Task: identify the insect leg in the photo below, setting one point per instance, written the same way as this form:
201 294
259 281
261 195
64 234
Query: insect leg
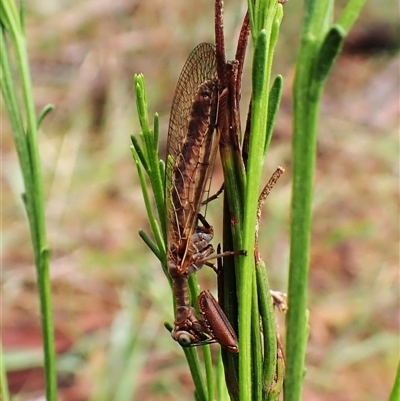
213 197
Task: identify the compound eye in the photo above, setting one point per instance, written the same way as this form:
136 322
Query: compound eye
206 95
184 340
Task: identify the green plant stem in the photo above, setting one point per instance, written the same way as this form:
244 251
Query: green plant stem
254 165
227 292
234 185
29 158
209 372
350 14
151 244
320 45
150 151
268 324
395 393
153 221
11 102
266 21
195 371
209 386
304 146
275 95
210 383
222 392
275 391
5 395
257 356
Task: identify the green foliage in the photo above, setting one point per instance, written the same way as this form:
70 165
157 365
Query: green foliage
24 126
5 395
265 19
320 45
395 394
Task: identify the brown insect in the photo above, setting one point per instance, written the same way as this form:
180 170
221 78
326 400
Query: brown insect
217 323
193 140
192 145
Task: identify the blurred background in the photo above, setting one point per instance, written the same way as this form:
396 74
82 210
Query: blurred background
110 295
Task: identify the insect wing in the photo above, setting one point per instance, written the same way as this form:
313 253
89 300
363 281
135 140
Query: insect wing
186 173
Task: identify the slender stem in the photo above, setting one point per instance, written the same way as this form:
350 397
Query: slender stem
264 301
227 292
29 157
320 46
193 360
304 146
268 324
222 391
150 150
267 18
395 393
350 14
209 386
209 372
153 222
254 165
306 109
276 389
257 357
152 246
5 395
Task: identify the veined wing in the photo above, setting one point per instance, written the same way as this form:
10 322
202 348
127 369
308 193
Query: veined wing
192 143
